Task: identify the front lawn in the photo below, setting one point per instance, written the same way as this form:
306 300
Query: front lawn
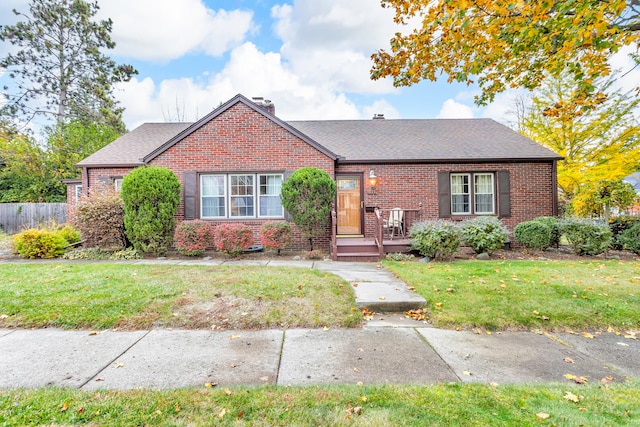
125 296
500 295
371 406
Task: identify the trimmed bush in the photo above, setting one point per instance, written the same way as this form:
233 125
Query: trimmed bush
276 235
44 243
533 234
315 254
307 196
484 234
435 239
193 237
554 224
233 238
630 239
586 237
151 195
618 226
100 219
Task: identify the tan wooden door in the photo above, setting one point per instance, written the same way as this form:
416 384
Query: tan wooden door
349 208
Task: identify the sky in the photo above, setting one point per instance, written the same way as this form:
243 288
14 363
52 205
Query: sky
311 58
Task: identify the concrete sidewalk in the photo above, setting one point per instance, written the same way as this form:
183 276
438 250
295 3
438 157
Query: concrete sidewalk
160 359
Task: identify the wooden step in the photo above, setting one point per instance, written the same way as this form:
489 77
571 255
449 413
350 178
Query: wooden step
358 256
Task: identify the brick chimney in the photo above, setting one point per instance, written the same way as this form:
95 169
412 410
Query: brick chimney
265 104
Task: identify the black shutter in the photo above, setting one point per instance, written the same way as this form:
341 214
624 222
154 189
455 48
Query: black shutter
190 193
444 195
504 194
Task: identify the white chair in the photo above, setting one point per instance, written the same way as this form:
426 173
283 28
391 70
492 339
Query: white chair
394 225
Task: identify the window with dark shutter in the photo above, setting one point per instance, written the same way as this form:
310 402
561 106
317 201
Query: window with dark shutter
504 194
444 195
190 192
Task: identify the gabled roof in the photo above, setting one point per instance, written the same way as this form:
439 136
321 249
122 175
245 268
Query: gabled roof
423 140
347 141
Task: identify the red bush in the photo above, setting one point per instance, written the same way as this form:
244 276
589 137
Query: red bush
276 235
233 238
193 237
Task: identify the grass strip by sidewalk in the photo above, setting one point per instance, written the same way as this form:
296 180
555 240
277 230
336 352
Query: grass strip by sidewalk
499 295
371 406
125 296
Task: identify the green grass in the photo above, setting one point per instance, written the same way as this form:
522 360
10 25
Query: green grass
502 295
433 405
125 296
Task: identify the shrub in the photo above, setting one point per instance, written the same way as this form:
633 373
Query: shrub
193 237
87 253
533 234
307 195
100 219
40 243
618 226
484 233
630 239
125 254
435 239
233 238
151 195
586 237
316 255
400 257
276 235
554 225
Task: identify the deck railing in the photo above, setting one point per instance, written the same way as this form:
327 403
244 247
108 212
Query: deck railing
384 216
379 233
334 233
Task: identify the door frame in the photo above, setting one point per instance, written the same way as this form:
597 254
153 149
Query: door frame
360 176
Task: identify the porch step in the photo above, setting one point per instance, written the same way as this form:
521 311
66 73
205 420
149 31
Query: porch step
358 256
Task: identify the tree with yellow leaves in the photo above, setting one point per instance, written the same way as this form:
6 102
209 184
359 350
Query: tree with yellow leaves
600 142
501 44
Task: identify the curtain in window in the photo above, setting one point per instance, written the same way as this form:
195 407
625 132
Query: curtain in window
269 199
213 196
460 194
484 193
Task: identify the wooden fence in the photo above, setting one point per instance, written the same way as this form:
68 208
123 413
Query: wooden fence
15 217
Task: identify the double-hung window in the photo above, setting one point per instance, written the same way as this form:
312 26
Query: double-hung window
472 193
246 195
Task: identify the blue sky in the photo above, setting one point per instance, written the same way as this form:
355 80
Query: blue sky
310 57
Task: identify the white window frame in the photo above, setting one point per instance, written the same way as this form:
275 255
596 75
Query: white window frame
467 193
233 197
78 194
223 196
229 197
476 193
117 184
260 195
472 192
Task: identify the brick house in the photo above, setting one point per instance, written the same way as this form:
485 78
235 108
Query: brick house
232 162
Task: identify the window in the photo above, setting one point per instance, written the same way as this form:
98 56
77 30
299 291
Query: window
269 200
212 189
78 192
240 196
468 199
117 184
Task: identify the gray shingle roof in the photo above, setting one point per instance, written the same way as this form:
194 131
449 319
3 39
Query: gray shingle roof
426 140
130 148
357 141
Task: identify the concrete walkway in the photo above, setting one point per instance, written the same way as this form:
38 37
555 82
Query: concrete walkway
389 349
160 359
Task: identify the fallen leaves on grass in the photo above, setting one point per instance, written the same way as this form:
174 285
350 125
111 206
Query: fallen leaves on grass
576 379
543 415
572 397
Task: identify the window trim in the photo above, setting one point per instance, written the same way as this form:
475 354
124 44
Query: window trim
228 197
472 193
116 180
231 197
78 192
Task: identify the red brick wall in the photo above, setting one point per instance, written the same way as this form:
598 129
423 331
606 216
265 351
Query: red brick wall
409 185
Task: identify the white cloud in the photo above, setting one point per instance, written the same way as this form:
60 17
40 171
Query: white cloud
162 30
333 41
454 110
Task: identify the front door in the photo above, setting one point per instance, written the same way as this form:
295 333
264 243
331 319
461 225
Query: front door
349 209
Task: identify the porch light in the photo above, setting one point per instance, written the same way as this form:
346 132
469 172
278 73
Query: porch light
372 181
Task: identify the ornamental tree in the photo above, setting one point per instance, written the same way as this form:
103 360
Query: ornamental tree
307 196
506 44
151 195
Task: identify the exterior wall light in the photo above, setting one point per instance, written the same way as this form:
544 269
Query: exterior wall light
372 182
